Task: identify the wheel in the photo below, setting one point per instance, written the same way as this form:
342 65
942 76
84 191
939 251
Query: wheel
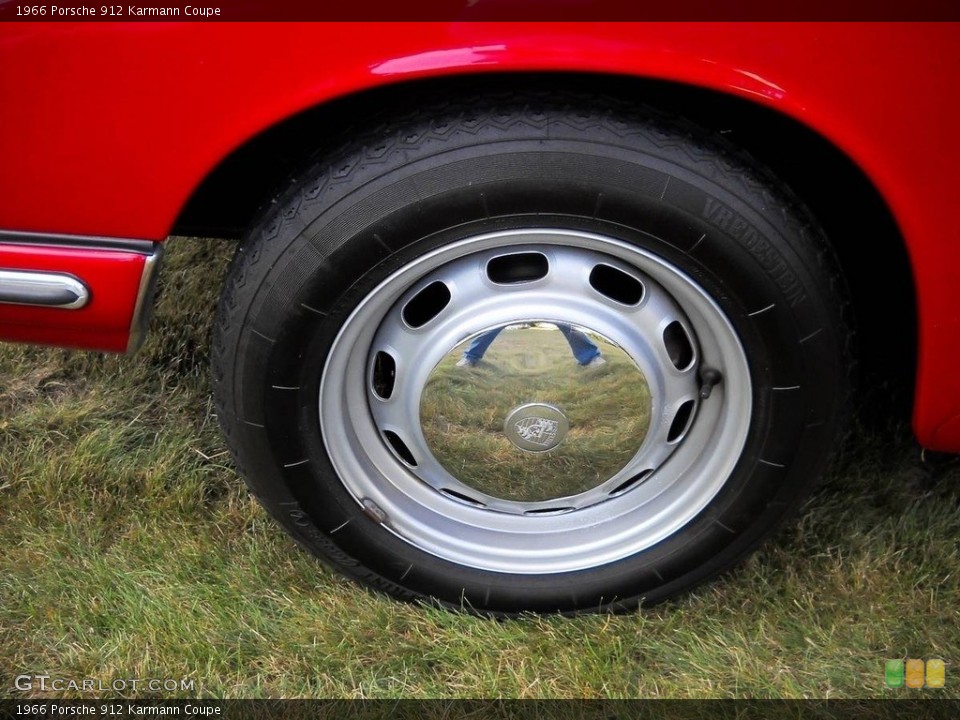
557 355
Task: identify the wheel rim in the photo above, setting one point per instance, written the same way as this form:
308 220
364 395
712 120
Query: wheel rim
552 497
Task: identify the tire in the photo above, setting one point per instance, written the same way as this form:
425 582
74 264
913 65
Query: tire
528 481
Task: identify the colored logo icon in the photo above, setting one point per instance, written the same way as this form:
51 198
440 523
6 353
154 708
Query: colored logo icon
912 673
894 673
936 675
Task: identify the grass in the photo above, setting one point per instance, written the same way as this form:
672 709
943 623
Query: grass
132 550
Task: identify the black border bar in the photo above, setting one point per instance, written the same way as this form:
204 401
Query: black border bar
477 10
906 709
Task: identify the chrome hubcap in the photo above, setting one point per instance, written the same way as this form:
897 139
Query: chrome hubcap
533 421
529 401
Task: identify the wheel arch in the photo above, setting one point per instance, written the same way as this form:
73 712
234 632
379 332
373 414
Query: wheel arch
233 193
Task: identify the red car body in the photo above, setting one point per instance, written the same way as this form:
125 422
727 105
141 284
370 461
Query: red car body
109 130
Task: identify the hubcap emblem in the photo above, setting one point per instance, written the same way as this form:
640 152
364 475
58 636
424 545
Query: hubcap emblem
536 427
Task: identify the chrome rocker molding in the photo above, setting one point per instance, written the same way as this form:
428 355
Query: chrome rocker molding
143 310
21 237
42 289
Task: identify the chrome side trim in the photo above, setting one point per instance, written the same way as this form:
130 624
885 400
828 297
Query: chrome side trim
143 310
145 247
42 289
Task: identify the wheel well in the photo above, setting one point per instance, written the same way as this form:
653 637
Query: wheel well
856 218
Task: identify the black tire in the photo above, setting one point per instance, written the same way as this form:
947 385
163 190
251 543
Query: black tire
589 166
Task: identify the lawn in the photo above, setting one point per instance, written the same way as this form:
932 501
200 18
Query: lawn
131 549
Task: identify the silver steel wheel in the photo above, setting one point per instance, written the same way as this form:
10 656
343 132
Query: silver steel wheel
685 400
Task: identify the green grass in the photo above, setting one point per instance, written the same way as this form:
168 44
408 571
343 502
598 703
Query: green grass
132 550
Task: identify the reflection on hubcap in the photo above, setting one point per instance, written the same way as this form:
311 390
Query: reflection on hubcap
517 413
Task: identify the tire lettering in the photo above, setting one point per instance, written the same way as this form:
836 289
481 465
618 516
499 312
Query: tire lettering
735 226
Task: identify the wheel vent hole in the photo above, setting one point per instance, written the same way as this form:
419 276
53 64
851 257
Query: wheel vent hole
616 285
426 304
384 375
461 497
400 448
549 511
630 484
678 345
681 421
518 268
